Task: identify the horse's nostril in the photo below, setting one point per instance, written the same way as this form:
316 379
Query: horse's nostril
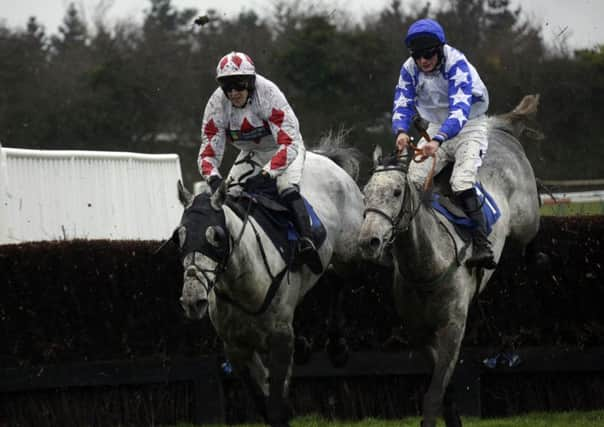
190 272
200 304
374 243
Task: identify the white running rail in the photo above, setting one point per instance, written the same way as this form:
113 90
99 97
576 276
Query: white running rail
64 195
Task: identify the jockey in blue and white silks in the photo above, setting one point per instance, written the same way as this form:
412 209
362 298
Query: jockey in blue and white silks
449 96
440 84
253 114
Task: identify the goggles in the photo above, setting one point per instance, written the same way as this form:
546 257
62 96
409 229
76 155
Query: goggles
230 84
425 53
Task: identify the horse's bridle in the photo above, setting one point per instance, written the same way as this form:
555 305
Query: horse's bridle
221 268
406 209
209 284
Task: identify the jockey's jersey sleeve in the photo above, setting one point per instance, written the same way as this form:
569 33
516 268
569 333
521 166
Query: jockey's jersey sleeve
266 123
449 96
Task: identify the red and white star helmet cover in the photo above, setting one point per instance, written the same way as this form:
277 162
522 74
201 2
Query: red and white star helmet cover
235 64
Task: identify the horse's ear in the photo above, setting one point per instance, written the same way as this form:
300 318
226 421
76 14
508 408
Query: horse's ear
405 159
172 239
219 196
377 156
184 195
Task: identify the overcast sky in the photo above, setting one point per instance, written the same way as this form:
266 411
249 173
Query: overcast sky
579 21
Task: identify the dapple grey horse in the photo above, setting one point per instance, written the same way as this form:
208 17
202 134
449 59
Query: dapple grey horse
432 286
244 282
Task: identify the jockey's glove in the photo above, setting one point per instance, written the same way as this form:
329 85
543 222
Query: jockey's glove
214 182
260 183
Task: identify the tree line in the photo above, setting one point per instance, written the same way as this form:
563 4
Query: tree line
142 86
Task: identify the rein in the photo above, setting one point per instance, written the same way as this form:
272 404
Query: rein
407 207
418 156
275 280
221 266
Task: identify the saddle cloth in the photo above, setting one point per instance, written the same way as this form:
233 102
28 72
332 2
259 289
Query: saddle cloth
457 216
275 219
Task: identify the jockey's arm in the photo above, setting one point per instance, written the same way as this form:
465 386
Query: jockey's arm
403 108
460 101
213 136
285 129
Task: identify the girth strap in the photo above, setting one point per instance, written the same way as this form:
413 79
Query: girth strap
275 280
272 291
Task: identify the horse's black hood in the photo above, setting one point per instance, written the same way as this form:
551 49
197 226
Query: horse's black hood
196 220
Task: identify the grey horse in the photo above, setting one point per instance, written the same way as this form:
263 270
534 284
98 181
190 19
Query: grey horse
239 275
433 288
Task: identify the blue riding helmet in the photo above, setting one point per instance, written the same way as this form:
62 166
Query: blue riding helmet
424 34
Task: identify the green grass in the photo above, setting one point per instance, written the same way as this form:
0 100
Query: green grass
573 209
555 419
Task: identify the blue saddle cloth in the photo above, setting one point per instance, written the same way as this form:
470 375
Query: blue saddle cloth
315 224
275 220
457 217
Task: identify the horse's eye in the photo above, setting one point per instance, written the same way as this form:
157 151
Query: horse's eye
215 236
397 192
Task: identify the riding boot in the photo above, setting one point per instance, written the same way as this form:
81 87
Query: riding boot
482 255
306 248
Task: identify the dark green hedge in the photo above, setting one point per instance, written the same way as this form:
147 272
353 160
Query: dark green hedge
93 300
100 300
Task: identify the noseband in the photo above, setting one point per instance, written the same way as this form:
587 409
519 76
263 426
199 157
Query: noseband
221 265
406 210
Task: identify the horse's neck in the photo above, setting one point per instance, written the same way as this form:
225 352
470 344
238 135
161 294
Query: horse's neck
246 276
243 245
424 243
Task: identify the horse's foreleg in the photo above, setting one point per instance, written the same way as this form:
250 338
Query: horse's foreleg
249 367
337 348
534 257
281 346
445 352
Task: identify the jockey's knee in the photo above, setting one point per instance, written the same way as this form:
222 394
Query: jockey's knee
459 190
459 184
288 191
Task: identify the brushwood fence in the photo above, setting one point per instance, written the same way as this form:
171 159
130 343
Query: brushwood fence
92 334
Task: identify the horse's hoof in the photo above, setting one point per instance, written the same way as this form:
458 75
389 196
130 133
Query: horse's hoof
451 417
281 417
542 260
338 352
302 351
488 263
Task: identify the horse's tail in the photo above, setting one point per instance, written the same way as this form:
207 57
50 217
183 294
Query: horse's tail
516 121
333 146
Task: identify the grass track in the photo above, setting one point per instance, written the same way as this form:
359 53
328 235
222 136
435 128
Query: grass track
554 419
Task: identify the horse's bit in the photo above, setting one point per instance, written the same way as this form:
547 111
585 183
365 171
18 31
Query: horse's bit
222 264
406 209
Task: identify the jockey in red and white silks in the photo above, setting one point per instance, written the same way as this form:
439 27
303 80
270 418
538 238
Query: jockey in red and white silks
253 114
264 128
444 87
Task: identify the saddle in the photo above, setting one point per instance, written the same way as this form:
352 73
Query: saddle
444 202
276 221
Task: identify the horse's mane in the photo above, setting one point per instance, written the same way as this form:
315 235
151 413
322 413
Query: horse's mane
333 146
516 121
391 160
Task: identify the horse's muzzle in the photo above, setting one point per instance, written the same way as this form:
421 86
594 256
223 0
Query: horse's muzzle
373 248
194 309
